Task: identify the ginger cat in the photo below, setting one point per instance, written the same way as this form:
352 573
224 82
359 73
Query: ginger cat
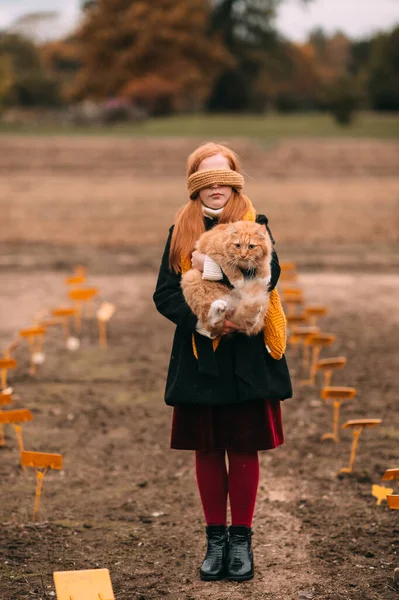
236 247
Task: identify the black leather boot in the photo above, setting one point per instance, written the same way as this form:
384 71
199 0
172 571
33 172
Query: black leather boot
214 566
240 561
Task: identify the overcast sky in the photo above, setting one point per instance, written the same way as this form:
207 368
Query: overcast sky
357 18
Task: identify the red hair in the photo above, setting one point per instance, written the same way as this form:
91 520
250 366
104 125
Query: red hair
189 223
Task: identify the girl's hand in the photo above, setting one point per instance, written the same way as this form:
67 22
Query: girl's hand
197 260
229 327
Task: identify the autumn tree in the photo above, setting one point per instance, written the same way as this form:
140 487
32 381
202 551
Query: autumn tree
299 86
158 53
62 60
340 92
6 78
246 28
333 54
383 72
29 85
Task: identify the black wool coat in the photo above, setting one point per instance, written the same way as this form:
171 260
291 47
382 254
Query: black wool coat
240 370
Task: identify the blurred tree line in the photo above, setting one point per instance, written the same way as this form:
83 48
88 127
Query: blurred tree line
215 55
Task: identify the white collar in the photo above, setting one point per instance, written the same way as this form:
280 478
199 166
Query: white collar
213 213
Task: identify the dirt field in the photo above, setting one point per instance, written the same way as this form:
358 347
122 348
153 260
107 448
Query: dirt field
124 500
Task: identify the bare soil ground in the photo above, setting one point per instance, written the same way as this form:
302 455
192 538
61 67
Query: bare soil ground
124 500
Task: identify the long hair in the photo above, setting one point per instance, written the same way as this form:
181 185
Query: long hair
189 223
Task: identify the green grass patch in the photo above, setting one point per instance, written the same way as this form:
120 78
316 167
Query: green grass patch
220 127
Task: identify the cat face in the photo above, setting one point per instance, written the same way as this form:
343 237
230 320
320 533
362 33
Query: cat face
247 244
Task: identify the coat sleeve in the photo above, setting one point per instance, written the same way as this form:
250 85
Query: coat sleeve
168 296
262 220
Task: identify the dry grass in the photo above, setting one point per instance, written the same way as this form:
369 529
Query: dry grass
330 203
106 211
164 157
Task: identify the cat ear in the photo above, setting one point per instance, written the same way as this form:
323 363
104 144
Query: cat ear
262 232
232 228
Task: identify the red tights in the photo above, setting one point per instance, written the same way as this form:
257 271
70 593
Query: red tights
240 484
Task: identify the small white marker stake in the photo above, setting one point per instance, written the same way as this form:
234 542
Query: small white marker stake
104 314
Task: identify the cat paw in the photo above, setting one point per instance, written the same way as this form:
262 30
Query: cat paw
217 312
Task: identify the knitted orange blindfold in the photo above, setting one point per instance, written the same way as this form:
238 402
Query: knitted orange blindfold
203 179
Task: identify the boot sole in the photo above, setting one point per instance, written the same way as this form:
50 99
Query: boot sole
212 577
240 578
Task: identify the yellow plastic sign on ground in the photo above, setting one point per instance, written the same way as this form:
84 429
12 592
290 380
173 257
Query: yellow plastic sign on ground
288 265
5 397
65 313
91 584
316 342
51 322
391 474
380 492
291 302
20 415
32 332
291 290
40 460
80 270
297 319
293 296
75 279
8 363
328 365
357 425
13 417
5 365
314 312
299 335
383 493
338 395
288 275
81 295
393 501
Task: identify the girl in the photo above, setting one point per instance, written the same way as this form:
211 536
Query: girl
226 398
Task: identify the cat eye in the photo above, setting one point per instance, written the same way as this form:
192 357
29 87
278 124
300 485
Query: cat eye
251 246
237 245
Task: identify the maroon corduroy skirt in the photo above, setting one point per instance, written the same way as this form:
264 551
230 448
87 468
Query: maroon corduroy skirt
245 427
